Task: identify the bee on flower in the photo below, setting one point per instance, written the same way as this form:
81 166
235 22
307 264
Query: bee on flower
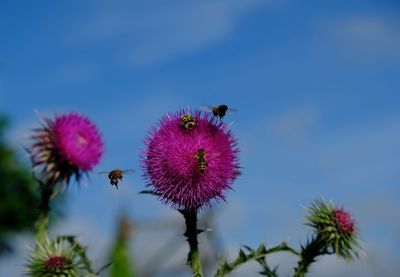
190 170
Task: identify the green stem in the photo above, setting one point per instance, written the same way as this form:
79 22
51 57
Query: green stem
191 235
282 247
309 253
254 255
44 208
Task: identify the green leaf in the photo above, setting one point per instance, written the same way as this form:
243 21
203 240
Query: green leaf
121 263
242 256
261 250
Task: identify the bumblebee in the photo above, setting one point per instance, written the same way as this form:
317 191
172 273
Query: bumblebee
218 111
116 175
201 160
187 121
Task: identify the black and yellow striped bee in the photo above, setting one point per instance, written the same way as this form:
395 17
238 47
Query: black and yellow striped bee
218 111
116 175
201 160
187 121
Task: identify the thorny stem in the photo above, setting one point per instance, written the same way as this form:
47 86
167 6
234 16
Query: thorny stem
313 249
267 271
254 255
81 251
191 234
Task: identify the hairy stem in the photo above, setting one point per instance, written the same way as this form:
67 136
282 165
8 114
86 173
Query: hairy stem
44 208
191 235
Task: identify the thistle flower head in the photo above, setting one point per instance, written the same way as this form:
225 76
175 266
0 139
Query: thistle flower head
335 228
344 221
189 168
55 258
66 146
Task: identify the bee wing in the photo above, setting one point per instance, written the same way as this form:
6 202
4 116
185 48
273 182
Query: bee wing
231 110
206 108
103 173
128 171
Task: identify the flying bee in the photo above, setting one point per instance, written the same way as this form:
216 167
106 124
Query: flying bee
116 175
201 160
187 121
218 111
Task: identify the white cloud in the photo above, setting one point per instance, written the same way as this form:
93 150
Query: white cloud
369 38
74 73
363 155
147 36
293 125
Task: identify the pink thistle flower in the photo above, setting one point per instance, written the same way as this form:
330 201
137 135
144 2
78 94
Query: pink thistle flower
78 140
190 167
66 146
344 220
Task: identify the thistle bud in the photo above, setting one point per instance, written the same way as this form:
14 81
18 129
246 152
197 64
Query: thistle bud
55 258
335 229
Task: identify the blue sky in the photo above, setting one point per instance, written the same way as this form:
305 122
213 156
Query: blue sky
316 86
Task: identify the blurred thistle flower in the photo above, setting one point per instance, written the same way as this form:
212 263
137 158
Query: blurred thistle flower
189 168
335 228
56 258
66 146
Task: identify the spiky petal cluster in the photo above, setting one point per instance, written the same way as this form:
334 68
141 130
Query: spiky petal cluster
334 228
66 146
344 221
56 258
175 169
